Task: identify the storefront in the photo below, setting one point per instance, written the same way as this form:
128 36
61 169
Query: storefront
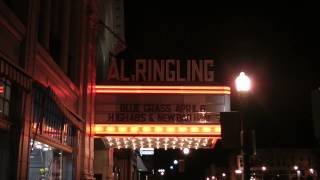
54 137
14 83
47 162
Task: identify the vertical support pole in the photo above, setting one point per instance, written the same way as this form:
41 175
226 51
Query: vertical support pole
243 136
45 23
89 71
64 56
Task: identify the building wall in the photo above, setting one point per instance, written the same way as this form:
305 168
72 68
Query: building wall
101 164
315 97
54 44
111 37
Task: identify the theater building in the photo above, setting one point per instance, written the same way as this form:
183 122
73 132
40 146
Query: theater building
153 104
47 75
56 122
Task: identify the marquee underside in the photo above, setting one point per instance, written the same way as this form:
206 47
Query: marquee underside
135 136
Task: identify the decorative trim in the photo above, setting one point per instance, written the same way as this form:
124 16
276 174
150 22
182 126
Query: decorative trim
129 89
11 22
15 74
56 71
5 125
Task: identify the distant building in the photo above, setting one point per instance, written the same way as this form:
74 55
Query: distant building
273 164
315 98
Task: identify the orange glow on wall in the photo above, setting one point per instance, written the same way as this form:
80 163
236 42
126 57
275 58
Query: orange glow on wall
194 129
170 129
146 129
98 129
182 129
158 129
206 129
105 89
109 129
134 129
122 129
217 129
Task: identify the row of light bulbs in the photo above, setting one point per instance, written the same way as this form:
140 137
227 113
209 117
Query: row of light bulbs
157 142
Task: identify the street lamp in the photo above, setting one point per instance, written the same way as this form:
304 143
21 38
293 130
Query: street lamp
243 83
263 168
243 86
186 151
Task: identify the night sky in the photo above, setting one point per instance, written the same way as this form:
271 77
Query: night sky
278 48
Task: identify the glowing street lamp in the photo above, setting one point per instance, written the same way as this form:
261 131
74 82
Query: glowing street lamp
238 171
186 151
243 85
311 171
224 175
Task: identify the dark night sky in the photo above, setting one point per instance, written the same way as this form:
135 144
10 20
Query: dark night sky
278 48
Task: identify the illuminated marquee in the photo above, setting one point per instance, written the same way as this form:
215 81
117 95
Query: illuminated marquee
150 115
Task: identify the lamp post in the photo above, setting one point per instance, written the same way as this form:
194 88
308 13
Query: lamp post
243 86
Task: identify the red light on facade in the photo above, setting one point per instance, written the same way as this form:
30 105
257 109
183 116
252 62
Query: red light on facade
223 90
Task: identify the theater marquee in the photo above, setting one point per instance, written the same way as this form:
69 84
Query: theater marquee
164 103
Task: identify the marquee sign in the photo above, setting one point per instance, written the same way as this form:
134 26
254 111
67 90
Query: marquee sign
160 103
164 70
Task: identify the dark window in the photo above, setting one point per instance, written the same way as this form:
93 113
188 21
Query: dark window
19 8
5 94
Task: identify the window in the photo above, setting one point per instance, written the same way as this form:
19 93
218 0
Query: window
19 8
49 120
5 94
47 162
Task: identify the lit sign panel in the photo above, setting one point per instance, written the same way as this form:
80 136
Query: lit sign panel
160 113
146 151
165 108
